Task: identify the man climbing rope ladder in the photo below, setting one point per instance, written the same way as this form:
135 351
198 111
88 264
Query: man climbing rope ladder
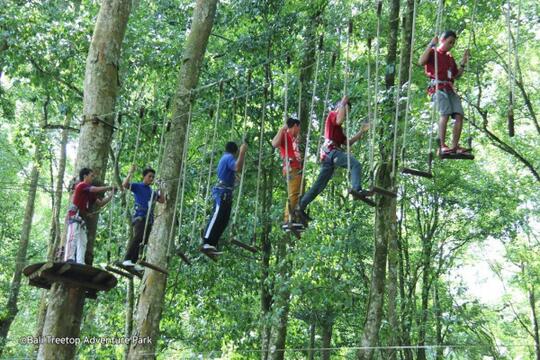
442 71
145 198
222 192
84 198
287 141
332 155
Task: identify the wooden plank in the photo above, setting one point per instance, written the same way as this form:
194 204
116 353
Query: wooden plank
183 257
244 246
64 268
38 271
76 283
129 269
152 266
456 156
99 277
409 171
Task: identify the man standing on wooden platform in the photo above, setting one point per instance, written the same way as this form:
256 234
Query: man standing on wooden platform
222 193
287 141
145 199
84 198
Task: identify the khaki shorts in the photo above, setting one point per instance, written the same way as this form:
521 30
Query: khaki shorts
448 103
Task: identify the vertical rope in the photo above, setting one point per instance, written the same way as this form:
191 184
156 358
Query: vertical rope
214 138
151 203
285 116
469 106
345 106
325 104
435 107
244 134
311 110
259 165
397 89
199 184
407 106
511 79
370 109
376 96
181 179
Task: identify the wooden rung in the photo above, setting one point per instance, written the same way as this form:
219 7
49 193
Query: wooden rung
384 192
119 272
153 267
183 257
368 201
129 269
244 246
409 171
456 156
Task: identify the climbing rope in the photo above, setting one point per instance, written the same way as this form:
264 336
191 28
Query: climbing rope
345 106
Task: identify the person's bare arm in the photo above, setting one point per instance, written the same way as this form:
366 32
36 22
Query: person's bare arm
276 141
464 62
424 58
161 196
359 134
127 180
105 200
341 114
241 157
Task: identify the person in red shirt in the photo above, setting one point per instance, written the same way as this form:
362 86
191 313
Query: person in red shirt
287 141
84 198
333 153
442 89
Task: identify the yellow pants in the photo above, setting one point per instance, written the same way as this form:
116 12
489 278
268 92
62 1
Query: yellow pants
295 182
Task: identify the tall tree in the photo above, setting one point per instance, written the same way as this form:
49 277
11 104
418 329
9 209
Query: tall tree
65 308
385 212
151 297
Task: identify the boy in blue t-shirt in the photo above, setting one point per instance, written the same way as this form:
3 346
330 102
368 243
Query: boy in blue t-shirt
144 200
222 194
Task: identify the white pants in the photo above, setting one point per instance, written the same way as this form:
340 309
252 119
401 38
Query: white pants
76 240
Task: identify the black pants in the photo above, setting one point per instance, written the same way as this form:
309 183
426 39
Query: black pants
138 241
219 219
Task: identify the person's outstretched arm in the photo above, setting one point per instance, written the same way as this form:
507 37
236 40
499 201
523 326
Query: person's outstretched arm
424 58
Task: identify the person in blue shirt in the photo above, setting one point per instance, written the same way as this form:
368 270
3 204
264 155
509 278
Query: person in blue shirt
145 197
222 193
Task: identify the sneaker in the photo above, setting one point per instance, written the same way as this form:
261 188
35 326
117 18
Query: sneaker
302 216
138 267
128 263
298 225
360 193
209 248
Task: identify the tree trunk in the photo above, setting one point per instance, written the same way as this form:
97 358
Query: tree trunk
326 340
385 213
55 222
65 309
152 293
11 309
532 304
311 351
129 314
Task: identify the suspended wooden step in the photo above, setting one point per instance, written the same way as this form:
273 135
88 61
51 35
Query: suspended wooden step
129 269
363 198
456 156
212 255
414 172
182 256
245 246
72 275
152 266
118 272
383 191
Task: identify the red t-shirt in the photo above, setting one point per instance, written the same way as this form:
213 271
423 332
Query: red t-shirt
447 69
83 199
295 158
333 134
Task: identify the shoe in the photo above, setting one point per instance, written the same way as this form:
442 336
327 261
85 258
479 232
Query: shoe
71 261
209 248
302 216
128 263
138 267
298 225
360 193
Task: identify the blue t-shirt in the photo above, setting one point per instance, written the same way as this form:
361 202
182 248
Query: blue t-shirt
227 169
142 193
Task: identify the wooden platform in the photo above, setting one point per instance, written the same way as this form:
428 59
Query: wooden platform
455 156
72 275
